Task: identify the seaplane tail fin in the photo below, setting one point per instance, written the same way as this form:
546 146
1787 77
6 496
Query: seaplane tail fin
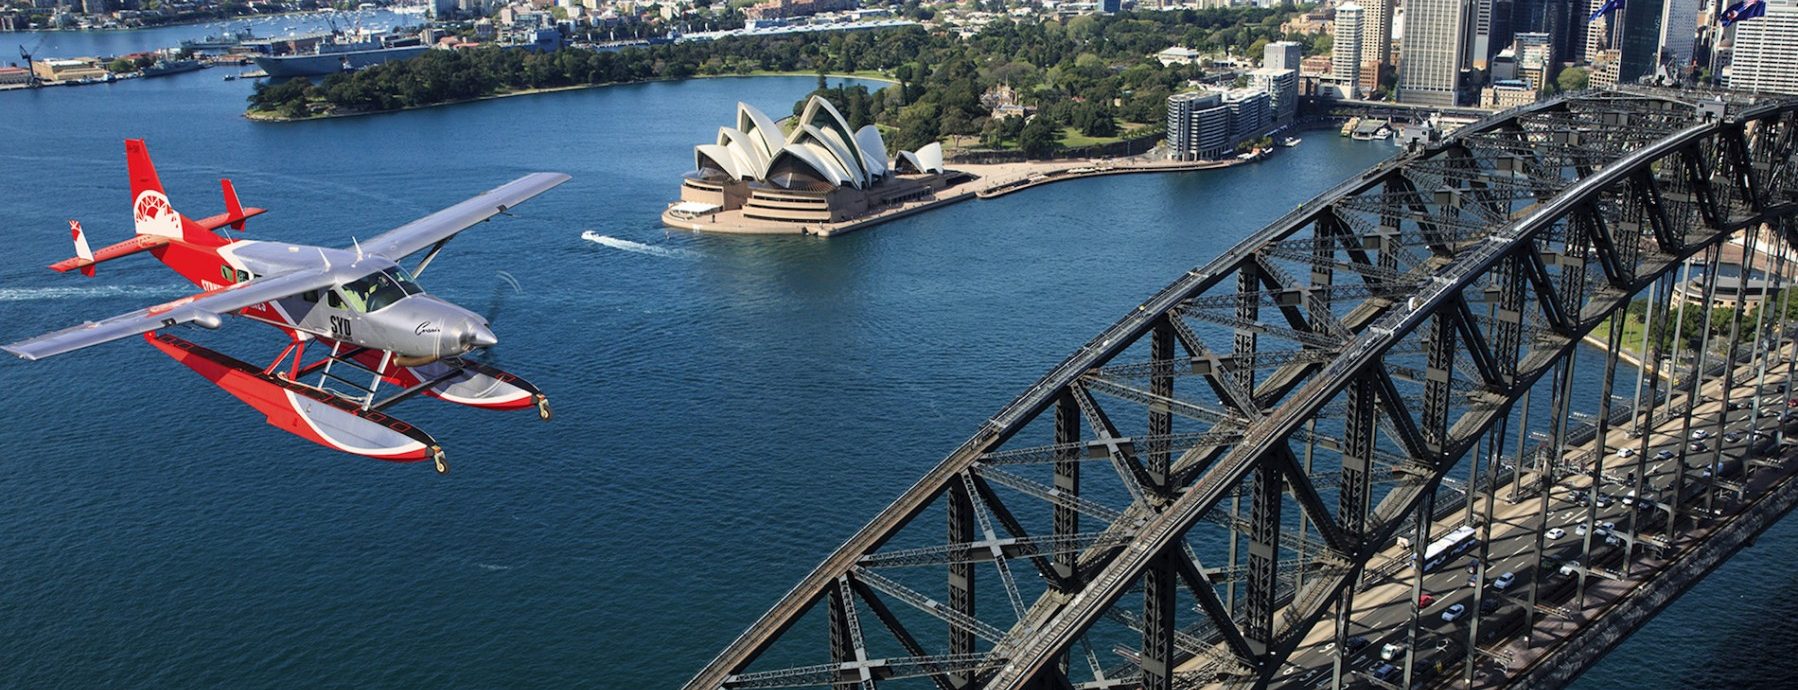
83 254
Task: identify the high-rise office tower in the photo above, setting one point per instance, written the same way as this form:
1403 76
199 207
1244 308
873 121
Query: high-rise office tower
1491 28
1601 33
1679 29
1437 46
1376 31
1640 43
1563 20
1282 55
1345 55
1766 54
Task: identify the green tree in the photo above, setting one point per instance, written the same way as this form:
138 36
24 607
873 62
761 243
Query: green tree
1037 139
1573 79
918 126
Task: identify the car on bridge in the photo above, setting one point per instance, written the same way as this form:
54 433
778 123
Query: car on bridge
1703 434
1556 533
1392 651
1504 580
1424 600
1454 613
1664 455
1386 673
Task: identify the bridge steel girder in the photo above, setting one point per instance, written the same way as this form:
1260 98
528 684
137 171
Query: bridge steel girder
1648 196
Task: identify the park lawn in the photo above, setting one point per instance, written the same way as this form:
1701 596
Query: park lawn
1633 329
1072 138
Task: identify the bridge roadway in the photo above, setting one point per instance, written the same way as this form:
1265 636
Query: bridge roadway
1382 611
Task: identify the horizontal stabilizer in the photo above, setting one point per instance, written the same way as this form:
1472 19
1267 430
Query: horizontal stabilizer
233 218
131 246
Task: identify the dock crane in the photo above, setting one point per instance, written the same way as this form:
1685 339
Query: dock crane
25 53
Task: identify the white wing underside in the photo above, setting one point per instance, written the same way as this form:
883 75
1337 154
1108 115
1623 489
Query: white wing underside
206 305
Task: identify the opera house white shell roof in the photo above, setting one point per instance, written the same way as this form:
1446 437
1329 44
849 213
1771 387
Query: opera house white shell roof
820 152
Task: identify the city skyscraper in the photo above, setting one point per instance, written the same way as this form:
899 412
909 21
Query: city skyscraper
1766 52
1563 20
1376 30
1601 33
1282 55
1492 28
1346 50
1436 47
1640 42
1679 28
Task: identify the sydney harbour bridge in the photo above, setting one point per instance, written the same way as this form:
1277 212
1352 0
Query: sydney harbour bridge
1366 446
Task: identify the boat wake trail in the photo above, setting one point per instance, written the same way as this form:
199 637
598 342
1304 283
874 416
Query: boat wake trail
638 247
27 294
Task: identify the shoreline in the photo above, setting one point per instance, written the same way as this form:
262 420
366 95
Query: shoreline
990 181
270 117
196 22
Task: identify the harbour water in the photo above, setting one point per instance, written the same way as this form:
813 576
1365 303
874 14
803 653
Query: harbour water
728 408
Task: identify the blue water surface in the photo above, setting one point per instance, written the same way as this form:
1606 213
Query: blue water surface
728 409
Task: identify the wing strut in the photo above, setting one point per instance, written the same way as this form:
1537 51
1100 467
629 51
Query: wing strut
422 263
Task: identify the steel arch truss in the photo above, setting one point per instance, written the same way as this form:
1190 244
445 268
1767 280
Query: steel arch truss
1188 494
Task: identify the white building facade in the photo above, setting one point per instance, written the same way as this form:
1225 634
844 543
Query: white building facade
1346 50
1766 50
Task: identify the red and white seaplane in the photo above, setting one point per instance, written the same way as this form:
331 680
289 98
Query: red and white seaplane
371 314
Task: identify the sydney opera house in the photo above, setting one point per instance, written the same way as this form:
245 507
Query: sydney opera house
759 178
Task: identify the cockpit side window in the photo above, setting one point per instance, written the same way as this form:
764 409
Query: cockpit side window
405 280
377 290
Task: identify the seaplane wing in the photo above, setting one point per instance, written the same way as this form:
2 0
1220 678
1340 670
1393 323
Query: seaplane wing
444 224
204 308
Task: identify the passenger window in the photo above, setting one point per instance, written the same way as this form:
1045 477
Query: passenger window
243 276
310 296
225 273
353 298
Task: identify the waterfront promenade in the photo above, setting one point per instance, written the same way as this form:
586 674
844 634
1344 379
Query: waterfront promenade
979 181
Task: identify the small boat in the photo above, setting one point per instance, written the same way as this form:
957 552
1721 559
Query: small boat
230 77
1290 142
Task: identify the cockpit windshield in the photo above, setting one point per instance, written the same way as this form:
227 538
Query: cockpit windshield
375 291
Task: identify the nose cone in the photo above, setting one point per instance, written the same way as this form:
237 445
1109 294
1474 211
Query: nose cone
479 335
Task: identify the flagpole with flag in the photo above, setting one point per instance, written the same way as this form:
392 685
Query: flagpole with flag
1608 6
1743 11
